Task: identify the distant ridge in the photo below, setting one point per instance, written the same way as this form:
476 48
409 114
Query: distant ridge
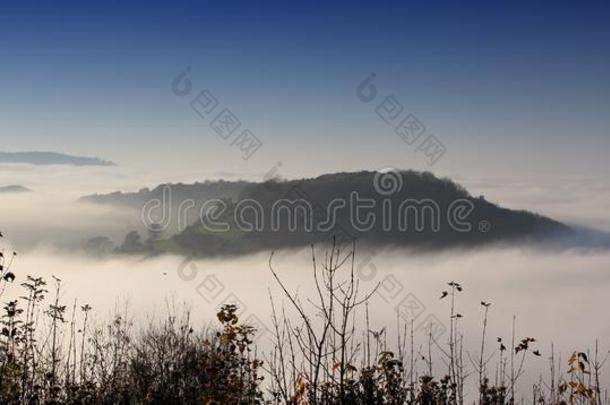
51 158
489 222
179 192
14 189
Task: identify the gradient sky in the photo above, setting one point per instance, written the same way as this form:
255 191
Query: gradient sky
502 84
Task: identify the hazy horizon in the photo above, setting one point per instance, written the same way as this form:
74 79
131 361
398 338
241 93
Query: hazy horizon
509 100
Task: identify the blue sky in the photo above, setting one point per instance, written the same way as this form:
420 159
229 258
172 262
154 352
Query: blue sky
95 78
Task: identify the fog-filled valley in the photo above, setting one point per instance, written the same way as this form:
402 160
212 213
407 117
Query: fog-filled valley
556 295
304 203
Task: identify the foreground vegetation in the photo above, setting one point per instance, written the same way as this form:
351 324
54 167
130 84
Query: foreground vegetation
323 353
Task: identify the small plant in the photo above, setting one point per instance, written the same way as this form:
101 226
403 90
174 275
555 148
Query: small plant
579 387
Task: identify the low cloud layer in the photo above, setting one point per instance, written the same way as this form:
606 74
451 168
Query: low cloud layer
558 297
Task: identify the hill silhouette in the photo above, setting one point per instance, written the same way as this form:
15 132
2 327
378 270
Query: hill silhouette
410 221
